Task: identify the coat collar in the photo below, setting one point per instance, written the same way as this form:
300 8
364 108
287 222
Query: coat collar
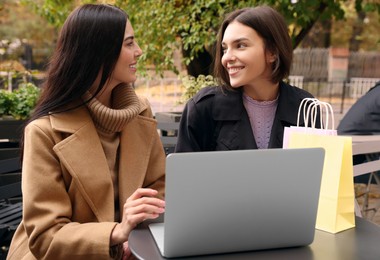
82 155
286 114
288 101
71 120
229 105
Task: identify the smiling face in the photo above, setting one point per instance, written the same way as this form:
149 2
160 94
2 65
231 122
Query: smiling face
244 56
125 68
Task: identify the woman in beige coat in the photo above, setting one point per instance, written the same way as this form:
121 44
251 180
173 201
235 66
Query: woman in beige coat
93 163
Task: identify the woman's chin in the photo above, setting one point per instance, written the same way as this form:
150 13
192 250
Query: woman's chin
235 85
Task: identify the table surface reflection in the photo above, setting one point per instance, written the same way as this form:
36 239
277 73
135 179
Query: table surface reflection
361 242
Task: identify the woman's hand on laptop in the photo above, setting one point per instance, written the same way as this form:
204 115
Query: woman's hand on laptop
141 205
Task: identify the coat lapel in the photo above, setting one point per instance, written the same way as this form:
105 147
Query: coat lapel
83 156
137 138
237 131
229 109
286 114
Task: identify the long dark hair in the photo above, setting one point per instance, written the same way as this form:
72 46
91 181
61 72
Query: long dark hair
271 26
90 41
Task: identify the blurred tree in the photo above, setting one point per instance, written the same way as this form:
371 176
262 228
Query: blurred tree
357 32
359 25
22 30
319 36
166 26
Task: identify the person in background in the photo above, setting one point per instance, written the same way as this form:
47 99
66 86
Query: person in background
253 104
363 118
93 164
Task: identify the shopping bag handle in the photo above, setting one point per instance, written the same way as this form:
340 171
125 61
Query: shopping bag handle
324 107
305 111
310 113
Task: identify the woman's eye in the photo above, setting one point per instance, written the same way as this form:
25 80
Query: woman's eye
241 45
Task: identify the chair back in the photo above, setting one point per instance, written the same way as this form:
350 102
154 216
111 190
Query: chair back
10 200
168 133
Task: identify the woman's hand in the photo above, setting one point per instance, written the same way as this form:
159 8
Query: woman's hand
141 205
126 251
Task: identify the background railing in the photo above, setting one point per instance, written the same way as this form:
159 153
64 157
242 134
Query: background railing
165 94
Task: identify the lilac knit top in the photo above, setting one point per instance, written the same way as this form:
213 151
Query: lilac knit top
261 115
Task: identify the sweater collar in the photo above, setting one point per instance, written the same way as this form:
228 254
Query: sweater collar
228 105
125 107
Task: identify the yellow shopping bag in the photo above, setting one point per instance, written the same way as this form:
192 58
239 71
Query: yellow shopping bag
336 200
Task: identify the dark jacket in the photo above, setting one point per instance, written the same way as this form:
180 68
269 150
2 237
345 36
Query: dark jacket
363 118
217 120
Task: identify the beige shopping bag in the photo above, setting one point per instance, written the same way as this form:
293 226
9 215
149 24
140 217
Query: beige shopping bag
336 200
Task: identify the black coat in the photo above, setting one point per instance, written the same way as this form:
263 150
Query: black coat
217 120
363 118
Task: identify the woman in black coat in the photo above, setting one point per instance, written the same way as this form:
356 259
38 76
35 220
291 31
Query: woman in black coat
253 104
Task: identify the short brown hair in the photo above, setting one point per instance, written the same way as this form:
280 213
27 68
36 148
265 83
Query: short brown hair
271 26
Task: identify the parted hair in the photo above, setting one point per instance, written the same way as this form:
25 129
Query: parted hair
90 42
268 24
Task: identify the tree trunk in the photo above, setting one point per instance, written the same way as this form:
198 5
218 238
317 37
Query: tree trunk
305 30
201 64
357 31
327 33
319 35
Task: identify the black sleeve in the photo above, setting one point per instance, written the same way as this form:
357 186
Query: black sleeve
196 127
363 118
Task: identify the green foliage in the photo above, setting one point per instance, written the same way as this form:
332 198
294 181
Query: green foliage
163 27
19 103
192 85
6 101
192 25
155 24
54 11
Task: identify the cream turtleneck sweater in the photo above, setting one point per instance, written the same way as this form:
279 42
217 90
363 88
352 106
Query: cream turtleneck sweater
109 122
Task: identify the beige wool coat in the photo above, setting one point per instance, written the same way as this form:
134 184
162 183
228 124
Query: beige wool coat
68 197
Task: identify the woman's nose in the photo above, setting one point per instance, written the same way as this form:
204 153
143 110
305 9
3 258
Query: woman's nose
138 51
228 56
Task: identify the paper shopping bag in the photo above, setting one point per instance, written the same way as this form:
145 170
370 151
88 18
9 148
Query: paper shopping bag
336 200
309 108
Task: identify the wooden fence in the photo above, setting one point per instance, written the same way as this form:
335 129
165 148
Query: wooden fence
315 64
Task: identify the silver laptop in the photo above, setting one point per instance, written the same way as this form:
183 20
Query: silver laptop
231 201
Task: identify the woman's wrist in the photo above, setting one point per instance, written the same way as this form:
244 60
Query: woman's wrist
117 235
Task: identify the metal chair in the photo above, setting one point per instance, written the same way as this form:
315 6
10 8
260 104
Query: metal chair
168 133
369 146
10 200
